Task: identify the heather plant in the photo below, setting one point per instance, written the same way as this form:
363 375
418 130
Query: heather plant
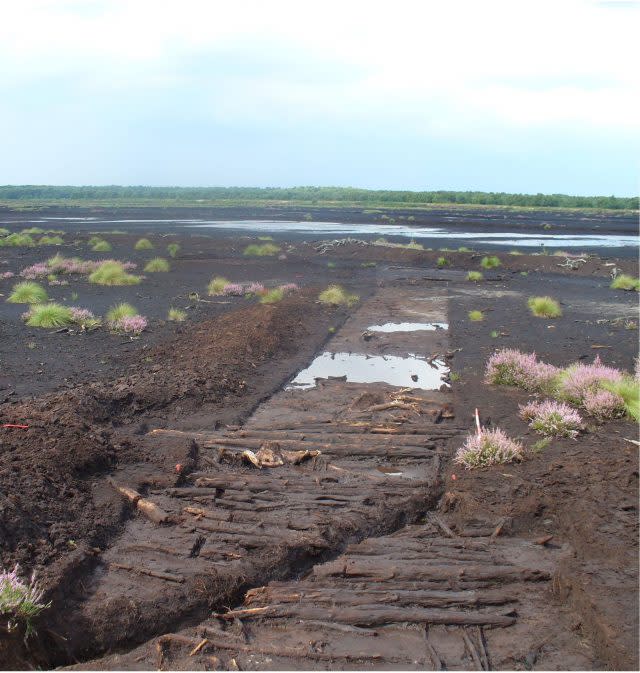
335 295
263 250
216 286
5 275
84 318
490 262
35 271
143 244
488 447
583 380
510 367
132 325
552 419
101 246
49 315
233 290
27 292
625 282
288 288
255 288
20 601
272 296
157 265
476 316
112 273
173 249
123 310
51 240
544 307
603 404
176 315
475 276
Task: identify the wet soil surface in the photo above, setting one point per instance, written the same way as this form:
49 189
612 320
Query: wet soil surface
174 483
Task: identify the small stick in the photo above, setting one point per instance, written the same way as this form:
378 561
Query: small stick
434 518
472 650
147 571
484 655
435 659
198 647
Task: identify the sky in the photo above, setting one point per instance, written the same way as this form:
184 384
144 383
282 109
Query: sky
528 96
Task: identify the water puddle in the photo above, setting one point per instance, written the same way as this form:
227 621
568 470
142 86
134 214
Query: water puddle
408 327
407 372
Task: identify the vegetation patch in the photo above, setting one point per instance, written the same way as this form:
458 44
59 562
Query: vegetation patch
176 315
101 246
143 244
442 262
488 447
173 249
625 282
544 307
490 262
28 292
476 316
272 296
17 241
552 419
157 265
475 276
216 286
336 295
20 601
113 273
261 250
49 315
51 240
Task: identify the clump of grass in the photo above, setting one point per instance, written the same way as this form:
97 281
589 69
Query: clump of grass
32 230
515 252
475 276
49 315
4 232
112 273
101 246
28 292
262 250
490 262
157 265
272 296
173 249
216 286
442 262
335 295
488 447
51 240
18 241
544 307
495 334
176 315
123 310
331 265
462 248
368 265
20 601
628 389
143 244
476 316
412 245
625 282
552 419
93 240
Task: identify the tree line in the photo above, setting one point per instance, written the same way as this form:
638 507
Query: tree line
312 195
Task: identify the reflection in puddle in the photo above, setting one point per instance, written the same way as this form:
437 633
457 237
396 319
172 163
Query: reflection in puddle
409 372
408 326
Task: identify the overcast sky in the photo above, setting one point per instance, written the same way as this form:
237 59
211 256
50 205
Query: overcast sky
526 96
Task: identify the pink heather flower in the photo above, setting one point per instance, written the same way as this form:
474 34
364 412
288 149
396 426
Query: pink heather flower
603 404
552 419
488 447
254 288
7 274
289 287
233 290
35 271
133 324
81 314
510 367
580 380
19 599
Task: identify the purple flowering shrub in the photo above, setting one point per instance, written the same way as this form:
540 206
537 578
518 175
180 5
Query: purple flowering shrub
6 274
20 601
35 271
255 288
233 290
488 447
509 367
132 324
552 419
288 288
603 404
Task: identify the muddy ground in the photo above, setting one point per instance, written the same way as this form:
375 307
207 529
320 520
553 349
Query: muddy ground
93 401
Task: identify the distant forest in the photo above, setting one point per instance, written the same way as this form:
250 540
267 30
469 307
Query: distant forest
307 195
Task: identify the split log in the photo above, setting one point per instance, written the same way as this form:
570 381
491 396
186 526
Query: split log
470 647
148 508
434 518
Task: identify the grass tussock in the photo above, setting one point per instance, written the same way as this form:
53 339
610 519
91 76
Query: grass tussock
143 244
113 273
28 292
628 389
475 276
261 250
123 310
216 286
101 246
544 307
51 240
336 295
49 316
442 262
157 265
272 296
173 249
625 282
176 315
490 262
476 316
17 241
